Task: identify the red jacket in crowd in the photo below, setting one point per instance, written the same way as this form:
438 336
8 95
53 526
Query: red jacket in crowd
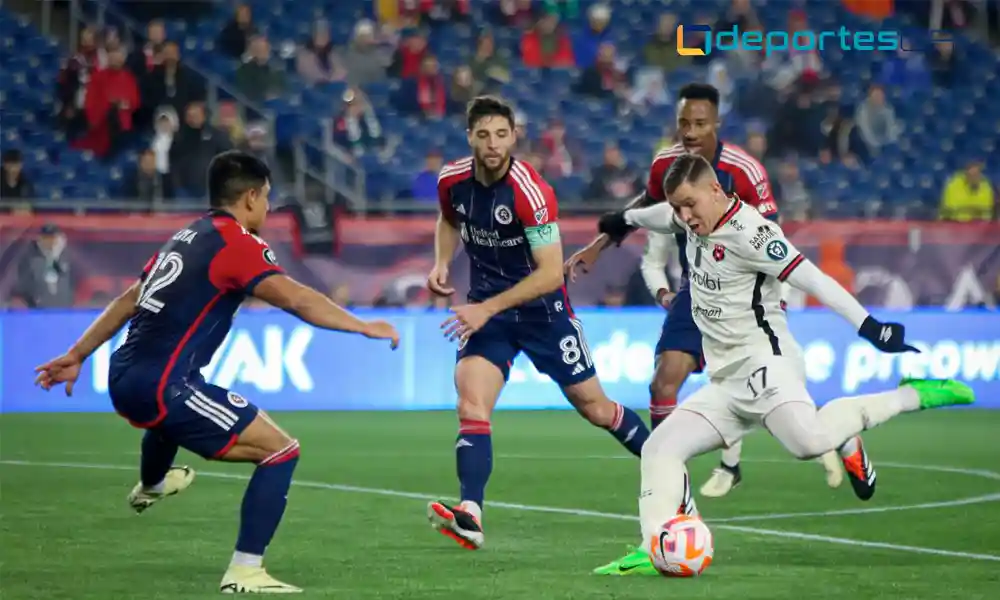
108 88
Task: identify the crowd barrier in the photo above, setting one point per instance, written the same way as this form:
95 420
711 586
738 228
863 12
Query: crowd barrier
282 364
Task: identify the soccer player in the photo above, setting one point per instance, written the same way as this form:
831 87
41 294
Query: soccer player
179 311
738 260
506 215
679 351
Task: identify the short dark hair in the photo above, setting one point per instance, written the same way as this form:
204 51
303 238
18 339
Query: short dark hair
232 174
488 106
700 91
686 167
11 156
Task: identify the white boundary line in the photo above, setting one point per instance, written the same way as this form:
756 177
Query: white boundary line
548 509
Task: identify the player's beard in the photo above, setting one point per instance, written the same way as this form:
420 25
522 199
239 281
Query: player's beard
490 171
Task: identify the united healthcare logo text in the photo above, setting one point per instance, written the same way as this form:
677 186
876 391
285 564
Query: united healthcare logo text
775 41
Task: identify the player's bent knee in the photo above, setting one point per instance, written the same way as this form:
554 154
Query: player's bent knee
478 383
672 369
590 401
262 442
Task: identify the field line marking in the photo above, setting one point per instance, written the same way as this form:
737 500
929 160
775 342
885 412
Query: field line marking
796 535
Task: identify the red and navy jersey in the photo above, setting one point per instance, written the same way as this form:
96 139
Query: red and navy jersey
191 289
739 173
491 221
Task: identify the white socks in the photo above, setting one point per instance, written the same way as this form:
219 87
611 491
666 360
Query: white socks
845 418
731 455
242 559
665 488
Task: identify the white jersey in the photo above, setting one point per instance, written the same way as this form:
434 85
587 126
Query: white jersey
736 275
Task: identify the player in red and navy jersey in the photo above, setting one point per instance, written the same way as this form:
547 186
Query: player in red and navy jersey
678 351
179 311
507 217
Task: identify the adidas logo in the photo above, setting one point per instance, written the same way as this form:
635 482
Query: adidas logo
461 209
463 443
579 368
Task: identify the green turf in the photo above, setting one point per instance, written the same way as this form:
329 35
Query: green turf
68 534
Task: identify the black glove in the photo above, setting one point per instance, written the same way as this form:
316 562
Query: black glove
613 225
887 337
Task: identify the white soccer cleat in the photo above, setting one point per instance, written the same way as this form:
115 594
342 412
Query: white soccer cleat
834 474
240 579
722 481
177 480
457 523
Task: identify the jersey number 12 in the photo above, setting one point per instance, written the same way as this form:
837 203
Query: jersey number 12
166 271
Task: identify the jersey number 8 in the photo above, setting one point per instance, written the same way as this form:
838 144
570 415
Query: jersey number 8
166 271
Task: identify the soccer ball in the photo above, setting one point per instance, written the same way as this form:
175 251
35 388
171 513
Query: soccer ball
682 547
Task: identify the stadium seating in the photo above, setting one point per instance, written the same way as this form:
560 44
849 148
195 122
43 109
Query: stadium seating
943 128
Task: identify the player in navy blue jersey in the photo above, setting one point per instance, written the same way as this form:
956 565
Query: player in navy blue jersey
179 312
506 215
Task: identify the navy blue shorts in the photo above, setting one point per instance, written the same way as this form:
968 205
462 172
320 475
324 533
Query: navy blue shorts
679 333
203 418
557 348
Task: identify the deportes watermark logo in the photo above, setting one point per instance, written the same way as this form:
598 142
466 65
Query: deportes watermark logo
775 41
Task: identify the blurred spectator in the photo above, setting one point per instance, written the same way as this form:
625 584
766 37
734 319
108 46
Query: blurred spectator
838 137
439 12
363 59
718 75
113 41
566 9
746 60
876 120
165 127
259 78
739 15
661 49
172 83
650 89
229 121
906 70
488 66
516 13
669 138
357 127
614 179
797 128
525 143
112 97
235 36
143 59
785 70
463 89
590 38
547 45
44 276
146 183
790 192
410 55
968 196
13 183
192 150
758 148
258 142
425 183
561 155
604 79
317 61
427 94
71 88
944 61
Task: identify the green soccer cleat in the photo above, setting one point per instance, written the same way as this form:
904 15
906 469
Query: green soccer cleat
938 393
636 562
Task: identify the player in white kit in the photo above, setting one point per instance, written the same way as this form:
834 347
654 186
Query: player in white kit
738 261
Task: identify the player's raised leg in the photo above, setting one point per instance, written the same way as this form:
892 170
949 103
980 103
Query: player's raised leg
666 485
482 369
158 477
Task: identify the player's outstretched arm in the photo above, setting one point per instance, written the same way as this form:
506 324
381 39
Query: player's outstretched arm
654 266
316 309
547 276
588 255
66 368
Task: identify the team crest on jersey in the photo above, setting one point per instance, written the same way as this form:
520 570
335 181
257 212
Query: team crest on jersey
762 191
269 257
777 250
237 400
541 215
719 252
503 215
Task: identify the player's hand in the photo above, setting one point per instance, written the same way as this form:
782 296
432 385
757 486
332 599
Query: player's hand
437 281
468 319
382 330
613 225
664 298
65 369
583 258
887 337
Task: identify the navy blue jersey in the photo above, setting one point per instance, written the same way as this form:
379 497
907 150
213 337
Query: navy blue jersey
492 221
739 173
191 289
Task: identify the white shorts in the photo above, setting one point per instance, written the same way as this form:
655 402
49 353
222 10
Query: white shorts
738 402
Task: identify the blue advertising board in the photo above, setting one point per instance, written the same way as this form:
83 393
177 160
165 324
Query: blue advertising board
283 364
